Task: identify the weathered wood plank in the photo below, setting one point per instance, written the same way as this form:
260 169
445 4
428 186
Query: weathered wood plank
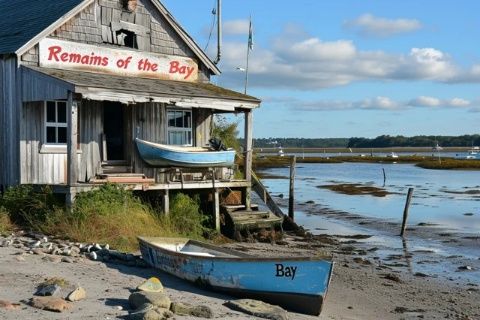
72 118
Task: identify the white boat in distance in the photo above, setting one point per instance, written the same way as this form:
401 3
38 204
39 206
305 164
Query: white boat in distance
472 154
392 155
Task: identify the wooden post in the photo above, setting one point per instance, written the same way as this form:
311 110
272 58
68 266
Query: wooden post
248 144
166 202
72 133
216 208
405 211
291 197
384 176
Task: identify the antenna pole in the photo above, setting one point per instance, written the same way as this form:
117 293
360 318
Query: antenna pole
219 31
248 56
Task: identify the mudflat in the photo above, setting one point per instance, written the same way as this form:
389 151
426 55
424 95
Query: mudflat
361 287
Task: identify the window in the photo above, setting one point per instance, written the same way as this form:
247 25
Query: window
127 38
55 122
179 127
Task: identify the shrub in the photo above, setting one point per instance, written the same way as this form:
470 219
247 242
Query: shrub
227 132
28 207
185 216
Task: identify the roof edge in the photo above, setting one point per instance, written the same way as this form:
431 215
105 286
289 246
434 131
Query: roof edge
186 37
32 42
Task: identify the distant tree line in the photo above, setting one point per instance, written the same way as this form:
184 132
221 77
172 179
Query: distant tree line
383 141
300 142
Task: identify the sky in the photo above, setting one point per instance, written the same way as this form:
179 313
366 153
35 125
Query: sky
348 68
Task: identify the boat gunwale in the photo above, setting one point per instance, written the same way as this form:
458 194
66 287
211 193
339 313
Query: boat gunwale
237 255
179 149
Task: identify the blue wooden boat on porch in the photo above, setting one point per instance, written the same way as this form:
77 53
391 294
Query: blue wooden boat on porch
160 155
295 283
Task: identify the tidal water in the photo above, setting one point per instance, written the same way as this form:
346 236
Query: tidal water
441 197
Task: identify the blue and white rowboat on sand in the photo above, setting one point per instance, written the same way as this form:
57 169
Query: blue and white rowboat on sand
295 283
159 155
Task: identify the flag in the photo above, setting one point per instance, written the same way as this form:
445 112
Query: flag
250 35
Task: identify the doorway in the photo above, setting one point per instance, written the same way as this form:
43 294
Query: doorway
113 128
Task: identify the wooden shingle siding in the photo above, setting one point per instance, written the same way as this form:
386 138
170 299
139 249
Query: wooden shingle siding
98 23
9 114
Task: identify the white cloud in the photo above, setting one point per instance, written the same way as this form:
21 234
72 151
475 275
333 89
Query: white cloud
302 62
425 101
369 25
235 27
459 102
376 103
383 103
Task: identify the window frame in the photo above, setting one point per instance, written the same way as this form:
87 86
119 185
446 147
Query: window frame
56 124
185 130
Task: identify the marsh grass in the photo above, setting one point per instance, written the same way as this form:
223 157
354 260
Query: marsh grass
109 214
6 224
445 163
356 189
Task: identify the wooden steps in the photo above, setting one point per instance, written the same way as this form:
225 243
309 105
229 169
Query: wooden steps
238 219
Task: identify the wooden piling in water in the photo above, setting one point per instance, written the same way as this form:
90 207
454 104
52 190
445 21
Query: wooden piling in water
291 197
405 211
384 176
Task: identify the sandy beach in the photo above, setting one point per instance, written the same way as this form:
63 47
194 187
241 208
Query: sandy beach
362 287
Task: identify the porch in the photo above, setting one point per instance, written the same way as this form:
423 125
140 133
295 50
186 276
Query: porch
104 115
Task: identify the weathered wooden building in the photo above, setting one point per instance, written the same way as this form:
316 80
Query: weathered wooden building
80 79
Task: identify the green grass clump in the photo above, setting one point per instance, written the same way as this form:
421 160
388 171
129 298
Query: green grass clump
6 224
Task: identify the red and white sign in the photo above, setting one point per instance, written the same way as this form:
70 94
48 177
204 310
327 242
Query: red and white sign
67 55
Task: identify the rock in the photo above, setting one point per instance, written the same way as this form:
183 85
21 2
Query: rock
50 303
465 268
258 309
150 312
20 258
184 309
96 247
52 258
107 247
48 290
93 255
67 260
392 277
8 305
38 251
76 295
362 261
35 244
157 299
151 285
420 274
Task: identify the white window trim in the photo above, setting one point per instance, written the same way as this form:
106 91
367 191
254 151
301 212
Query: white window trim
52 145
175 129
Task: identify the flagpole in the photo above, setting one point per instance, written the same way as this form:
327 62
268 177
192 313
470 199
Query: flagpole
249 46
